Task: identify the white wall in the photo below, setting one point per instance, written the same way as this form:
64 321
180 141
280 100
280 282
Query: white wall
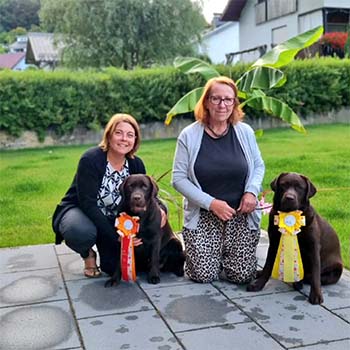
217 43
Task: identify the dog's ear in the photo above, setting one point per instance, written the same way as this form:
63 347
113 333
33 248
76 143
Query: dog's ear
311 189
155 187
274 182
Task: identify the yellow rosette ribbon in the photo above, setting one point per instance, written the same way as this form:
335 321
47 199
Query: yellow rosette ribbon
127 227
288 265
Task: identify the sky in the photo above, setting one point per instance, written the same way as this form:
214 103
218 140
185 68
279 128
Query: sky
213 6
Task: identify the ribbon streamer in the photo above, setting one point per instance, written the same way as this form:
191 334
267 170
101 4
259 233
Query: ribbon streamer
127 227
288 265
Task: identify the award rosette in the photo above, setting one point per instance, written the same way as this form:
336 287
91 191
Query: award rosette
127 227
288 265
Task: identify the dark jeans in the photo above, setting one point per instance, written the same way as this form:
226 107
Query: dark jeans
80 234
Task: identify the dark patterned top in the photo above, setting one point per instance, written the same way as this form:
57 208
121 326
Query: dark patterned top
108 196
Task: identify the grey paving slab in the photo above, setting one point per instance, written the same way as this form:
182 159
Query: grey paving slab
292 320
143 330
166 280
243 336
29 287
233 291
335 295
344 313
90 298
28 258
72 266
40 326
334 345
193 306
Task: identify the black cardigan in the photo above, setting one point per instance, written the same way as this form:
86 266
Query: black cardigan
84 190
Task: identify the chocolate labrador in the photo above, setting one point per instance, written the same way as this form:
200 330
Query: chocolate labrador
161 249
318 242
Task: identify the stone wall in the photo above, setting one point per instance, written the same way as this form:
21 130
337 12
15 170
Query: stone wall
156 130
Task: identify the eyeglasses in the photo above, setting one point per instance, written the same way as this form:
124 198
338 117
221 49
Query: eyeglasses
120 134
216 100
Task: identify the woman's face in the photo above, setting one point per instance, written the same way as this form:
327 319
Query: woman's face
122 139
223 94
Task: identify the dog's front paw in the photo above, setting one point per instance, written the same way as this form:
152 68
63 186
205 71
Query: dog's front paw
153 279
298 285
111 282
315 298
114 280
256 285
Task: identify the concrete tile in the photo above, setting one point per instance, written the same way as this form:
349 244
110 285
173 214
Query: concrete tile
28 287
334 295
344 313
90 298
166 280
288 316
40 326
334 345
246 336
28 258
72 266
140 330
63 249
194 306
233 291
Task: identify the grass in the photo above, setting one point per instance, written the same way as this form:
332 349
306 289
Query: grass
33 181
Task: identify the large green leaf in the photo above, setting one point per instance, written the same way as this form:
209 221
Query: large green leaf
261 78
190 65
185 104
276 108
285 52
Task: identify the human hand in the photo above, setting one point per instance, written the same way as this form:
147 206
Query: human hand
248 203
164 218
222 210
137 241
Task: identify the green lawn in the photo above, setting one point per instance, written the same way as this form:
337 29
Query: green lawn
33 181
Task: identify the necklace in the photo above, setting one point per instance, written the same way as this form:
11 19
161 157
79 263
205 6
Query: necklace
216 134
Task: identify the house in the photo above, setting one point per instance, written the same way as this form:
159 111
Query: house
223 38
14 61
266 23
43 50
19 45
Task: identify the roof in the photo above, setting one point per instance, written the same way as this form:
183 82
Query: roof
219 29
10 60
41 47
233 10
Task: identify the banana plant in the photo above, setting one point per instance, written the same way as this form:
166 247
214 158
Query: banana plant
261 75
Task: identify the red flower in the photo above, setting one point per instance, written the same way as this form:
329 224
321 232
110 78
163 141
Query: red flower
336 40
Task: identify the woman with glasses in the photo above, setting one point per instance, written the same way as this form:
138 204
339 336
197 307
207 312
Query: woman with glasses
219 170
87 212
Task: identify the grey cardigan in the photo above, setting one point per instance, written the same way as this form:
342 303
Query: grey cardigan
185 181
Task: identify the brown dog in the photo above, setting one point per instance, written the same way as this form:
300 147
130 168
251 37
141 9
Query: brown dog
161 249
318 242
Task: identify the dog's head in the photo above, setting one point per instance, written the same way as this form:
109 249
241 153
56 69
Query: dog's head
292 192
137 193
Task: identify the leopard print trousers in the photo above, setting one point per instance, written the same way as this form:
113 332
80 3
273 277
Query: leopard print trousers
217 246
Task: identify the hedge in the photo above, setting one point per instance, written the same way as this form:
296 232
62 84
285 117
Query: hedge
62 100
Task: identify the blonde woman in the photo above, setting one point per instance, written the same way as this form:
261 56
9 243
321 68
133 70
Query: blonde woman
86 214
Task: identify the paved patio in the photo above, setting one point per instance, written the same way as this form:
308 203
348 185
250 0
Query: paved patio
46 303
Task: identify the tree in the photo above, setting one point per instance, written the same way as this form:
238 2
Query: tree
126 33
18 13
